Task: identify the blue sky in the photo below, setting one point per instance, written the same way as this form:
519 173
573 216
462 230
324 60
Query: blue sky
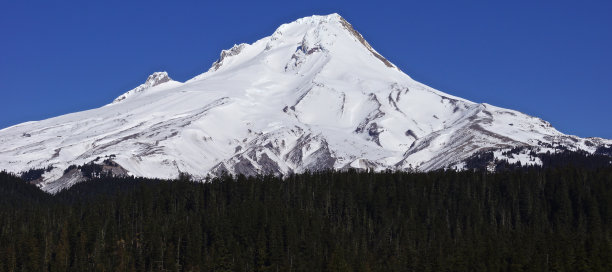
548 59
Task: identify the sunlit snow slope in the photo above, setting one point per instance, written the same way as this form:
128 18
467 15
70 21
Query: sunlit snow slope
314 95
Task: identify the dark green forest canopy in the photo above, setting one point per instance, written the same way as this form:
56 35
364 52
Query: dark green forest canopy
555 219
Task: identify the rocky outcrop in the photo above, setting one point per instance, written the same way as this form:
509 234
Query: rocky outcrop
153 80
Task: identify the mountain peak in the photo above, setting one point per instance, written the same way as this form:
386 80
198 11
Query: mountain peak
328 21
309 22
329 36
153 80
334 17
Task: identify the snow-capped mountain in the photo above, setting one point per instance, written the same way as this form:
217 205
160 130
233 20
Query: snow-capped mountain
314 95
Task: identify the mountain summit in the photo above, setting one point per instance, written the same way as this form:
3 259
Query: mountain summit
314 95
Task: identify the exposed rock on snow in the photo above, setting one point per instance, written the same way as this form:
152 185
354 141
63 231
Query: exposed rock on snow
153 80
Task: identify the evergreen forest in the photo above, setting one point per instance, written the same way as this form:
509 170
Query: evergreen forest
552 219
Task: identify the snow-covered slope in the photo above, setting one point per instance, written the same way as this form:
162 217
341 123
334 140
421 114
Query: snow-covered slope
314 95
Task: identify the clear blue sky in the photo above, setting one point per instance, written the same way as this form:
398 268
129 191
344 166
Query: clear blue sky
548 59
